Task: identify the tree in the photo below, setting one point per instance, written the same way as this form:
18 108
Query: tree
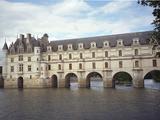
156 13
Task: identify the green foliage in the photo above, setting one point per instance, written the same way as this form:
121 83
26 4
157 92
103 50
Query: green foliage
122 77
155 4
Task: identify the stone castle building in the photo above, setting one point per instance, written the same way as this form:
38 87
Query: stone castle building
37 63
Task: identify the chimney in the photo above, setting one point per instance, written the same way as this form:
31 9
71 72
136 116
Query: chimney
21 36
28 36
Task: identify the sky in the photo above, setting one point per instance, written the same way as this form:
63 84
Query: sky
63 19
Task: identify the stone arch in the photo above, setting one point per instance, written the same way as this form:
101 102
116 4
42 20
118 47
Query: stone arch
92 76
122 77
20 82
69 78
54 81
153 74
1 82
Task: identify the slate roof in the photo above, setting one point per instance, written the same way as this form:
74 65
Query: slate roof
144 38
5 47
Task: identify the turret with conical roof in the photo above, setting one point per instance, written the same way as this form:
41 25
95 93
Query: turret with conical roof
5 46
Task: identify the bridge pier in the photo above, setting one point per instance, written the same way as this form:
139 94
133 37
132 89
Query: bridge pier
138 81
81 79
61 80
107 79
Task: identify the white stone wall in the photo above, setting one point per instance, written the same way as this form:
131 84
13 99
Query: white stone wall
39 62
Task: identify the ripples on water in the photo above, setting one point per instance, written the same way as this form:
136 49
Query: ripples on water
96 103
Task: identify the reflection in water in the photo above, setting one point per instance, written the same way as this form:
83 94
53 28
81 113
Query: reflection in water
97 103
149 83
79 104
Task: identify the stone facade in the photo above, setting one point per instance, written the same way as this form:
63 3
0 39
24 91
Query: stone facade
38 63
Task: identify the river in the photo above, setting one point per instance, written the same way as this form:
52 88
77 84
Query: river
96 103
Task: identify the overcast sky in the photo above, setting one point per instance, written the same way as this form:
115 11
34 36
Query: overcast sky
62 19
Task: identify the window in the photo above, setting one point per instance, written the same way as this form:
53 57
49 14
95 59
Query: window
59 67
136 52
93 45
29 67
29 59
49 67
136 41
20 58
70 56
60 57
93 54
106 44
12 68
80 65
12 59
70 66
37 59
106 53
20 67
106 64
136 63
120 52
80 45
120 64
94 65
154 63
81 56
70 47
60 47
49 57
30 76
119 43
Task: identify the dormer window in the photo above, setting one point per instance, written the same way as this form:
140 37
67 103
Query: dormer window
49 48
80 45
60 47
106 44
93 45
120 42
135 41
69 46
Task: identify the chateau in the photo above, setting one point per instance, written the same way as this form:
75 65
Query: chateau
38 63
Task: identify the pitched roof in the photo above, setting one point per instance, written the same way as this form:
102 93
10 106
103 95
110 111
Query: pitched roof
144 38
5 46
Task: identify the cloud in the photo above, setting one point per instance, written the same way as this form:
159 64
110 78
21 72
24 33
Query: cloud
70 19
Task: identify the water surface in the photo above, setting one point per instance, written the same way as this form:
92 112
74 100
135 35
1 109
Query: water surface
97 103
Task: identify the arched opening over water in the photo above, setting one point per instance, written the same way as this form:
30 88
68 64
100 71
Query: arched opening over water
94 79
1 82
152 79
71 80
20 82
122 78
54 81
